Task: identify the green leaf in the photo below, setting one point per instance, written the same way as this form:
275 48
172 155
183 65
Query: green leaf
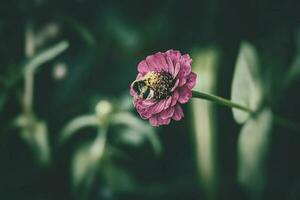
131 136
116 178
35 134
76 124
45 56
82 30
294 71
86 160
253 145
144 129
246 86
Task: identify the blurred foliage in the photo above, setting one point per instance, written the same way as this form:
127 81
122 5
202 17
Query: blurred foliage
247 83
206 64
83 52
253 147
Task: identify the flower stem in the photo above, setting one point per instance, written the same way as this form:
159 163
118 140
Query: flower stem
220 100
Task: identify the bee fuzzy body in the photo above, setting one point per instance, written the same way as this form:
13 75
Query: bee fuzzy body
154 85
142 89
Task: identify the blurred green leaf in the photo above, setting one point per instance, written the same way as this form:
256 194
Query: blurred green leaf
45 56
206 61
86 160
125 102
76 124
83 31
116 178
131 136
246 86
143 128
35 133
125 35
253 145
294 71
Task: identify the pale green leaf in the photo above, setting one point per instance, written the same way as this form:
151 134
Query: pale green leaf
253 145
143 128
246 86
116 178
131 136
76 124
45 56
86 160
294 71
36 136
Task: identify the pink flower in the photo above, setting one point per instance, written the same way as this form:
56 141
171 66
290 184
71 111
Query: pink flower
164 82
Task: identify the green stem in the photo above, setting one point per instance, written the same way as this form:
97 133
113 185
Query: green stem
28 76
220 100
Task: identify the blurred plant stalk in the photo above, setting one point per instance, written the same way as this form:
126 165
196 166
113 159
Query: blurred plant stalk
204 121
28 75
33 130
93 158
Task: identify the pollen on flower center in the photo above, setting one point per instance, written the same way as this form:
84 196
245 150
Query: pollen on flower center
161 83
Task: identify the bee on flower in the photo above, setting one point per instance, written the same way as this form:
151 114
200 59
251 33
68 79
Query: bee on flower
164 82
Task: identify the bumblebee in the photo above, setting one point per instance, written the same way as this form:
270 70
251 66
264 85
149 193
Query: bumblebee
142 89
154 85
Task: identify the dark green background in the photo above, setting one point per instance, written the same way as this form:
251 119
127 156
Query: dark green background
107 40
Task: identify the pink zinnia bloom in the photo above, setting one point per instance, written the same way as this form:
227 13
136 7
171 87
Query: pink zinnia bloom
164 82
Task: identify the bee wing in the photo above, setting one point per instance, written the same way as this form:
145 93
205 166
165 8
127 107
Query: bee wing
150 94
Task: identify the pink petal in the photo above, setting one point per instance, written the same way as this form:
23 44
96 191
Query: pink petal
170 66
161 62
178 114
145 115
175 97
168 113
175 85
174 55
168 102
153 120
187 59
158 107
182 81
176 69
143 67
142 107
184 94
184 70
152 64
147 103
191 80
164 121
